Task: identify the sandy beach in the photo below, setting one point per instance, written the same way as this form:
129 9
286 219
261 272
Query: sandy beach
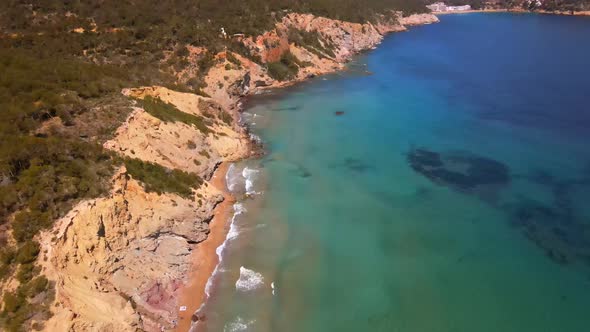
204 259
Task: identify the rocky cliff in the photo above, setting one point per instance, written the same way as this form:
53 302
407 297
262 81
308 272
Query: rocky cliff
120 261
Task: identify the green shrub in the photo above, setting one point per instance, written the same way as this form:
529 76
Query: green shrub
28 252
7 255
37 285
206 62
191 145
284 69
12 302
226 117
159 179
169 113
25 273
205 154
232 58
28 223
4 271
312 41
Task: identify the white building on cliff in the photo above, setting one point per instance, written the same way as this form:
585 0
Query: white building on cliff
440 7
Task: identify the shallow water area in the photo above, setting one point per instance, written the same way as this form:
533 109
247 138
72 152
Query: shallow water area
447 191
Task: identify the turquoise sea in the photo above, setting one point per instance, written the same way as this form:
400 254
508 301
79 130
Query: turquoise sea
440 183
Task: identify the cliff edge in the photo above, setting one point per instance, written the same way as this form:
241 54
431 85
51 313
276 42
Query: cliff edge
119 262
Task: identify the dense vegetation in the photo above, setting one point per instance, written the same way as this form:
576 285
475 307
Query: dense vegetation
312 41
63 64
169 113
286 68
159 179
136 33
42 172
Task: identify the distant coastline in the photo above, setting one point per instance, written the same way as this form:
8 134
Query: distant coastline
515 11
110 286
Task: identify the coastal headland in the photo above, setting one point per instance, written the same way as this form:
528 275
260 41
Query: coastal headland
138 256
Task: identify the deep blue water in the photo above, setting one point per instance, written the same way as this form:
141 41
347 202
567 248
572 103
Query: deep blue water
441 183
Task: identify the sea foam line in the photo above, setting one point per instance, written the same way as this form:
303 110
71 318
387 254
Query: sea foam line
231 179
231 234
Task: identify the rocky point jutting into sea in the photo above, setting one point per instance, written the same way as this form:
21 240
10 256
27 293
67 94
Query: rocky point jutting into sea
120 262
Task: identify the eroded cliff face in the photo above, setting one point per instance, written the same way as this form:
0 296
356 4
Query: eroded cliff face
175 144
120 261
344 39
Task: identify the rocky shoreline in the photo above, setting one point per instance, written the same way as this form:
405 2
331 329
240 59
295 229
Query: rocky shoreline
122 262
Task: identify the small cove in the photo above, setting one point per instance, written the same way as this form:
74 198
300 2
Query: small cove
446 191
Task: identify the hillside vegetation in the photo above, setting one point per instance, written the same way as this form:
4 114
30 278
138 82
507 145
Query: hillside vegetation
63 65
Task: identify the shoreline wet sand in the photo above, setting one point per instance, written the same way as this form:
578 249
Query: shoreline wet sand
204 258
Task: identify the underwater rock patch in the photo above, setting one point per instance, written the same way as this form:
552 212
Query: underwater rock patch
461 171
552 229
301 171
356 165
288 108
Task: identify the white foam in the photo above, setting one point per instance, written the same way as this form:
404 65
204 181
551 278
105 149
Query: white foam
233 228
231 234
255 138
232 177
239 324
272 285
249 175
249 280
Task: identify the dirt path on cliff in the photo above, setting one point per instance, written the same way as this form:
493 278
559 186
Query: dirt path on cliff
204 258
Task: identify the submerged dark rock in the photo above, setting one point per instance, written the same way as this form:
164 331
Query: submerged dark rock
289 108
356 165
337 113
302 171
460 171
563 238
420 158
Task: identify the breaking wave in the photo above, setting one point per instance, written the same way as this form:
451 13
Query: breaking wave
237 179
231 234
239 324
232 177
249 175
249 280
